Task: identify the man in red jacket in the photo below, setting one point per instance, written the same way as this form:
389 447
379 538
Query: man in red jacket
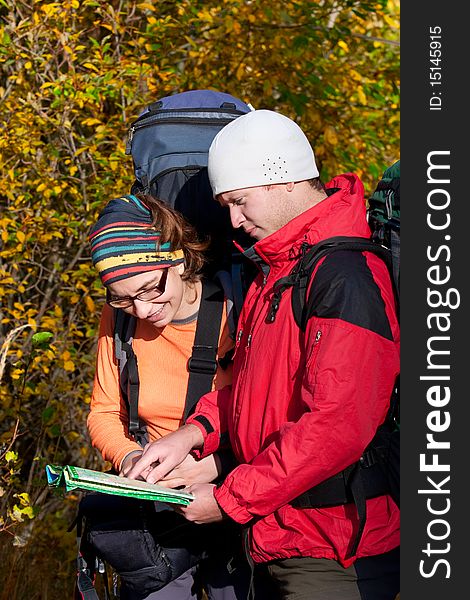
303 406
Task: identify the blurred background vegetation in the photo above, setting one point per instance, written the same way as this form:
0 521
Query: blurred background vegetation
73 75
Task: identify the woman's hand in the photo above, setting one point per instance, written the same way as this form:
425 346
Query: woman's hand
163 455
129 461
192 471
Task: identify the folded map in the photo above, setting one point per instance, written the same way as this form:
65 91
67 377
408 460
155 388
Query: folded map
75 478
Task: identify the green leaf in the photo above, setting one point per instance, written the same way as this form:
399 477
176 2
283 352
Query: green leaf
47 414
42 339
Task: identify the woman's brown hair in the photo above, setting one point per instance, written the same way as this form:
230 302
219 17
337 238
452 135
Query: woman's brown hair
179 233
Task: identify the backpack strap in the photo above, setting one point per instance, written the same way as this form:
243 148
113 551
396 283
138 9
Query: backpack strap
124 329
299 278
86 567
202 365
301 304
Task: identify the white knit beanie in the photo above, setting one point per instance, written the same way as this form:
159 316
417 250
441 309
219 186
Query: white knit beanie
259 148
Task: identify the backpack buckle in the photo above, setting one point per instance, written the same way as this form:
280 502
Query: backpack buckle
368 459
199 364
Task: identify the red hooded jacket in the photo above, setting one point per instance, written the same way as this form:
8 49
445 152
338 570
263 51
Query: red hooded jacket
302 408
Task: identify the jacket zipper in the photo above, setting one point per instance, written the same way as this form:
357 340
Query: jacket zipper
315 348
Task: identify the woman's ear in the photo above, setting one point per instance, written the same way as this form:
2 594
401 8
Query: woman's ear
180 268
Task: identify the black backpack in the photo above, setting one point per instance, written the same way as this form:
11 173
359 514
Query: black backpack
378 470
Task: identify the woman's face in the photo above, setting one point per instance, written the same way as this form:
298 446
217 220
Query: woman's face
164 309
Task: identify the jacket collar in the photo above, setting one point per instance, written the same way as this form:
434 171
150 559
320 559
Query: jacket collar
343 213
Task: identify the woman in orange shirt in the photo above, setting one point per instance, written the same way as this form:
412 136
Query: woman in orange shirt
150 261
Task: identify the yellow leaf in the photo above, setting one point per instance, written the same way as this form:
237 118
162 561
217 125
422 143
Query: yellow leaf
91 66
240 71
90 304
145 6
69 365
20 236
361 96
65 355
330 135
28 511
91 121
24 498
343 45
16 373
391 22
81 150
17 514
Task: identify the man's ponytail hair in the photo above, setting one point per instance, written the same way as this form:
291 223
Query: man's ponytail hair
179 233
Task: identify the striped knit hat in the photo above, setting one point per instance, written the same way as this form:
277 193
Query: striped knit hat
123 244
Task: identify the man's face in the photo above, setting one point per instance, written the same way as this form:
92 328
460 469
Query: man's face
260 211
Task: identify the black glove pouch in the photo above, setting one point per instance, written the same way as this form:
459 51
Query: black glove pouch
145 542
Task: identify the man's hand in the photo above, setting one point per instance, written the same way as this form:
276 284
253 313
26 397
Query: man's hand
191 471
204 507
163 455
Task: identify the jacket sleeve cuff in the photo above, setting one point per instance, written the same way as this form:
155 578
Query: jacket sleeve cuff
211 437
230 505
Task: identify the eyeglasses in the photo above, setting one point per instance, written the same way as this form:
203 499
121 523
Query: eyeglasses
149 295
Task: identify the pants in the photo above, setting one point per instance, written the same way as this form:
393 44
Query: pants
370 578
218 583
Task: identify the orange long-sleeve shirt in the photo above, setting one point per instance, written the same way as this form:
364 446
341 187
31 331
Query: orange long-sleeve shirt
162 357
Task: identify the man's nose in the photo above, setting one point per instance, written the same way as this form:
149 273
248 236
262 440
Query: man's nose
236 216
142 309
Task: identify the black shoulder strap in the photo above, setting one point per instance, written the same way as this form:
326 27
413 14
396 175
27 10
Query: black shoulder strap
300 303
202 365
124 329
300 275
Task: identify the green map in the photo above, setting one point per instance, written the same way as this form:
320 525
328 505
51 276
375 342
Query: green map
75 478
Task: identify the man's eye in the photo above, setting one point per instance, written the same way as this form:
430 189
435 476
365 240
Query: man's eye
238 202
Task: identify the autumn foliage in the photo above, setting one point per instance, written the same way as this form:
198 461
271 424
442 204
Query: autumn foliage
73 75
